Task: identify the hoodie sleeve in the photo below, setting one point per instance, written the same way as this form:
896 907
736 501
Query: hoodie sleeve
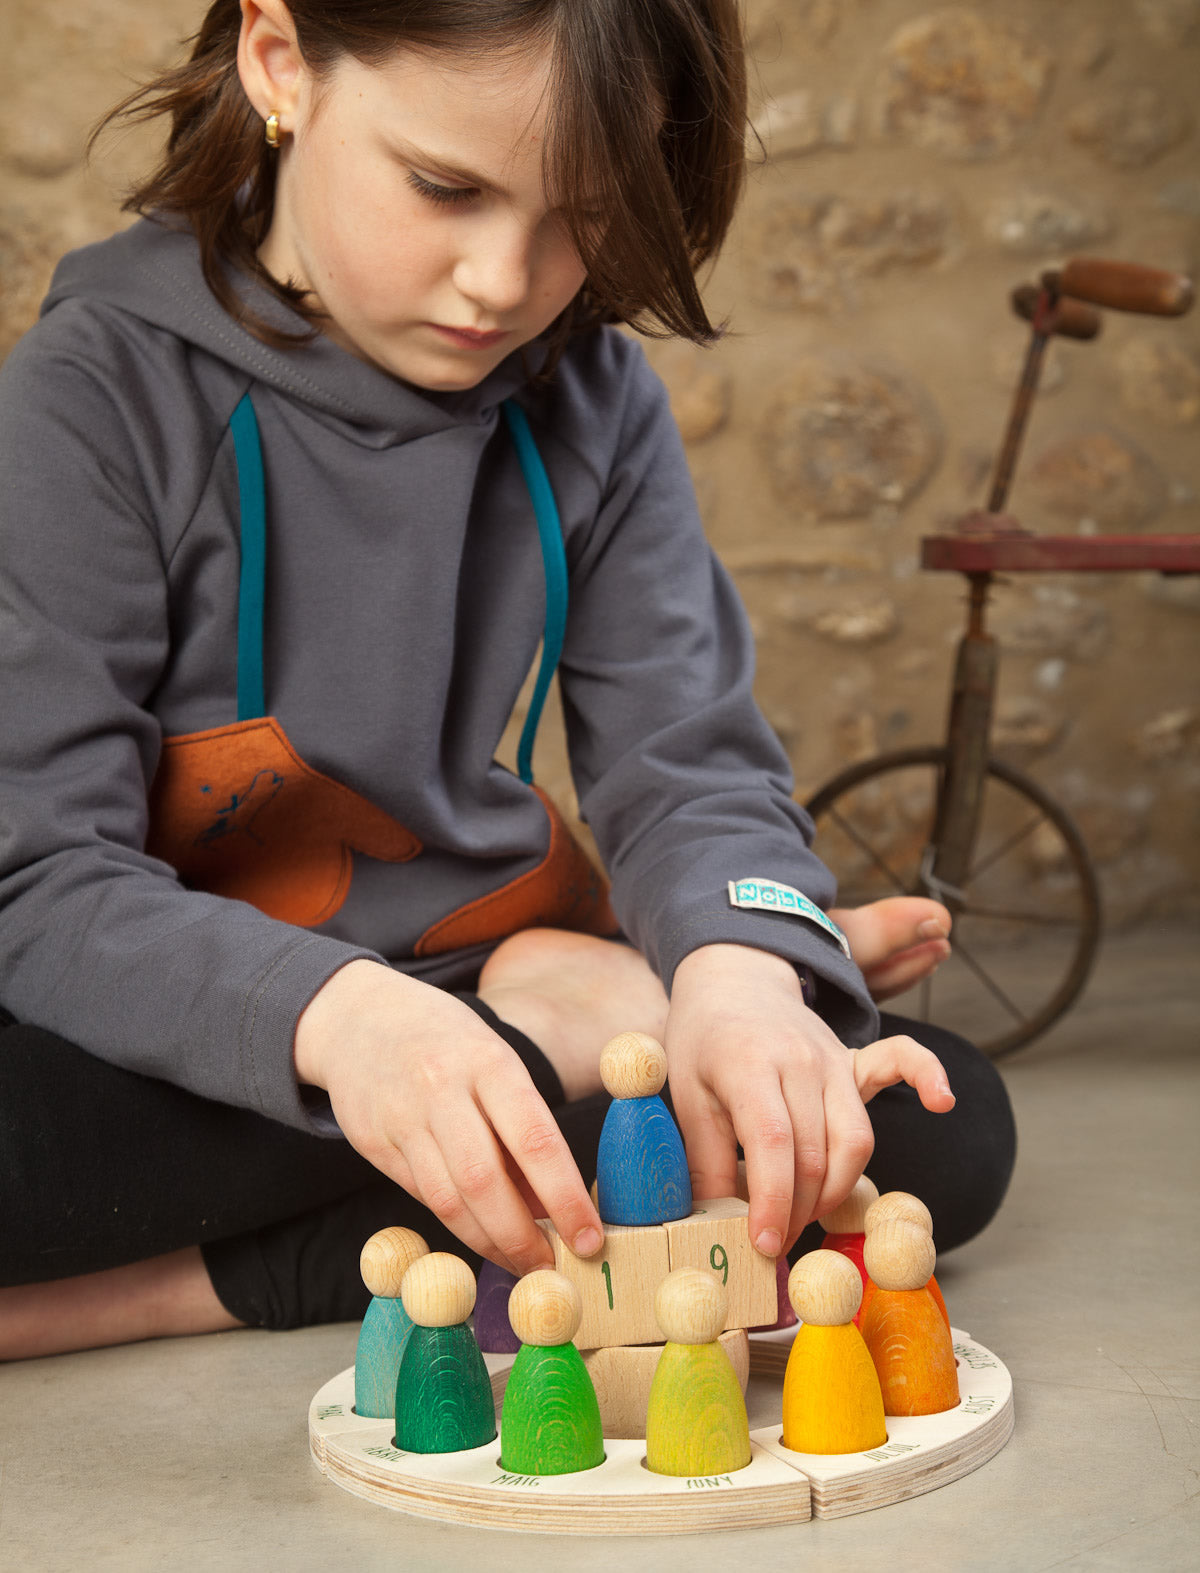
98 941
680 778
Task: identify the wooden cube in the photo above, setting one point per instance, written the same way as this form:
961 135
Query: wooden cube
716 1236
622 1379
617 1285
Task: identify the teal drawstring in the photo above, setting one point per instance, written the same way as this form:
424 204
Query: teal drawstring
251 696
554 568
252 500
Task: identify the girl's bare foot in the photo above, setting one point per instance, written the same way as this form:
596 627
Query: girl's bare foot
896 942
571 993
165 1297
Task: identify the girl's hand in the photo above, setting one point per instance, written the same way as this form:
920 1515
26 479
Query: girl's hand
750 1063
441 1105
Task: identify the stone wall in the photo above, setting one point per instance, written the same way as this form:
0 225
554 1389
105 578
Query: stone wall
914 163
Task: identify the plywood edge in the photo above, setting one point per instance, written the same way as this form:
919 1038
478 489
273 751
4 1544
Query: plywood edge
621 1497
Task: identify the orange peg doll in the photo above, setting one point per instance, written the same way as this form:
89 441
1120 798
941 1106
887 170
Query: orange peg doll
903 1328
899 1206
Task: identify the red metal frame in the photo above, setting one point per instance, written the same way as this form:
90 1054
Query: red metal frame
1056 553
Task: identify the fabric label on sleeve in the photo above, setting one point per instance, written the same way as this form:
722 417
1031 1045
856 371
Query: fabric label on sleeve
768 895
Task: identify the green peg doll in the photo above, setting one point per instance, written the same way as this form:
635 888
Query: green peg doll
550 1423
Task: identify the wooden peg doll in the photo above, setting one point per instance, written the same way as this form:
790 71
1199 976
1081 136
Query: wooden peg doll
444 1398
493 1330
831 1397
903 1328
900 1206
550 1422
696 1419
784 1315
641 1169
845 1228
385 1259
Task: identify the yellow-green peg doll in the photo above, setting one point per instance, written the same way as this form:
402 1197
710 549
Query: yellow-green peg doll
696 1420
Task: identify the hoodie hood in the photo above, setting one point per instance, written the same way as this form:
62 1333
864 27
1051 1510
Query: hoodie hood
152 272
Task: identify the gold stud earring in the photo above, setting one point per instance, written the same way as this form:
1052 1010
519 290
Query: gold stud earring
272 129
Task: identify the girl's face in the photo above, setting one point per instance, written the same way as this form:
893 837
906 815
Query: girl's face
410 203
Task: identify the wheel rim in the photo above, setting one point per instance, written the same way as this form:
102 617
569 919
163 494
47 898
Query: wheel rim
1030 874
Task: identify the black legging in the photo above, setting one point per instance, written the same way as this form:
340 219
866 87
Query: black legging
100 1166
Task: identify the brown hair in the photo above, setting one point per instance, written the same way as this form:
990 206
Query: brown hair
648 113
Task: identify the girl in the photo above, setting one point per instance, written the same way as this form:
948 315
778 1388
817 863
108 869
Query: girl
299 470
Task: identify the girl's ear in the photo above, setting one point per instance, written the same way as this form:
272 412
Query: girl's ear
269 60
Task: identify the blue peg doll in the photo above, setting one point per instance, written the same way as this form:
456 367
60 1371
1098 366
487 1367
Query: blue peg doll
641 1168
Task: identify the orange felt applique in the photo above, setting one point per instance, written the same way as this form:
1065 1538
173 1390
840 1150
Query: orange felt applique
238 813
565 891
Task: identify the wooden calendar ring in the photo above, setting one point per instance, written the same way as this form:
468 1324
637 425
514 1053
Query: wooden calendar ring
621 1497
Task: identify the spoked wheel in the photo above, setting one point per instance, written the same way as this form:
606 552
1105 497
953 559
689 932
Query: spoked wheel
1027 919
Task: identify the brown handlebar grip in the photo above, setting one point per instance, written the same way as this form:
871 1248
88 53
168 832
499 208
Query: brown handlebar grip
1124 286
1071 318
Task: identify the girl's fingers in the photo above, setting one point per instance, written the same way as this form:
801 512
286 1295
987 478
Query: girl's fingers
893 1060
434 1188
783 1155
530 1137
850 1140
831 1127
525 1191
476 1164
710 1143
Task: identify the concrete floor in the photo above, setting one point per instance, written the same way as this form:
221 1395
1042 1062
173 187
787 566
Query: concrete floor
193 1455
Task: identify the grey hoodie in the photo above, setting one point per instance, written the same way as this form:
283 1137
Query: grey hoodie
404 606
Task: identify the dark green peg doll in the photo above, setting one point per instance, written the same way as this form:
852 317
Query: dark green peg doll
444 1400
